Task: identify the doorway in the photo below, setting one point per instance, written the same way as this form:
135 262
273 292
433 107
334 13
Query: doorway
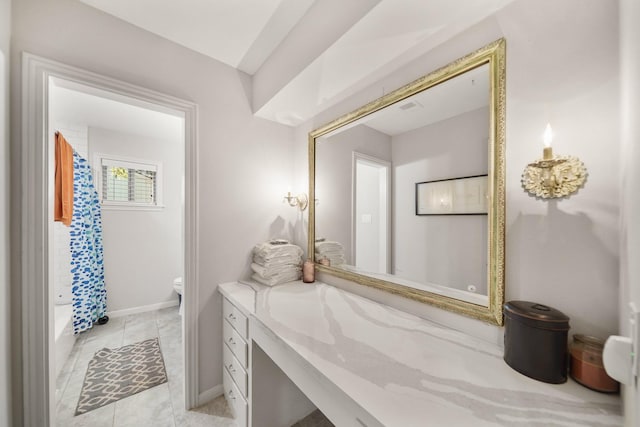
135 155
39 76
372 214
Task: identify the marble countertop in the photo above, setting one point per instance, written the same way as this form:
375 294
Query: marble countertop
243 295
406 371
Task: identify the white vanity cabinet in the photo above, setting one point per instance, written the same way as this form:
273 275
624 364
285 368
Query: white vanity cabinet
236 361
292 348
248 372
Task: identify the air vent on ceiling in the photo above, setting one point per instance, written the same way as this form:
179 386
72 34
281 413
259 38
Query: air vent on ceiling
409 105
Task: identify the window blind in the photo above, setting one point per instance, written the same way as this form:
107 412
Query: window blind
124 184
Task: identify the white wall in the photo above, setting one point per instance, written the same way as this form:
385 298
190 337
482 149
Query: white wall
244 164
142 248
448 250
630 245
562 66
334 180
5 315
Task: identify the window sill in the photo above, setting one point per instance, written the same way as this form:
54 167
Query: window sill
128 207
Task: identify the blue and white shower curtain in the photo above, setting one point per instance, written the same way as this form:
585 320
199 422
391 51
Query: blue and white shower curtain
87 267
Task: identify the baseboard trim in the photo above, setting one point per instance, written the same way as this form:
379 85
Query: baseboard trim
208 395
141 309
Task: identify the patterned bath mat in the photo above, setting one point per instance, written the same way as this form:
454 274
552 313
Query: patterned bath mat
114 374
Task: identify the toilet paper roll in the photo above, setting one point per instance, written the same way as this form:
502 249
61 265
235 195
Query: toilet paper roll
617 358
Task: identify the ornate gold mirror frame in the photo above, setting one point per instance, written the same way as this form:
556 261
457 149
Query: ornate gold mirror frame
494 55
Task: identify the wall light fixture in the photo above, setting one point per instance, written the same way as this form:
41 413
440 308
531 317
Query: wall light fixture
301 200
553 177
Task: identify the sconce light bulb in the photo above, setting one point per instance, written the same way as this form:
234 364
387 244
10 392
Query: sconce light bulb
548 136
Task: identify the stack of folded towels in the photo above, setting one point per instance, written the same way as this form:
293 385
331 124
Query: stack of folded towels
276 262
333 251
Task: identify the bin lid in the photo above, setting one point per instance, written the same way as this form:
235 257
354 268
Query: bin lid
536 315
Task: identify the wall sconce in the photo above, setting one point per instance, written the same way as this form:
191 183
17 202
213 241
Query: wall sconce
301 200
553 177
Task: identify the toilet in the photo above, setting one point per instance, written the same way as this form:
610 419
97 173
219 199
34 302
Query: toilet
177 286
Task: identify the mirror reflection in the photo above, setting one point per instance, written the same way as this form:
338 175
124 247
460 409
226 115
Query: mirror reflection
369 178
409 189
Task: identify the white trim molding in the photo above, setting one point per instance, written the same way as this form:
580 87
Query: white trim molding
37 74
141 309
208 395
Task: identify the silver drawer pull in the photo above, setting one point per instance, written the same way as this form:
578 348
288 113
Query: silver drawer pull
231 341
231 316
231 368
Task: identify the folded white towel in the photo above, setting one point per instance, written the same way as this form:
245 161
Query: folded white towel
338 260
329 246
334 251
275 270
278 241
330 253
268 251
276 280
335 260
281 260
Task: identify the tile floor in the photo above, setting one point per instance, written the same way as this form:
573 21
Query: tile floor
314 419
159 406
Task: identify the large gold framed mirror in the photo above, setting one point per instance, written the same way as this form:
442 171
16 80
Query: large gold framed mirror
409 189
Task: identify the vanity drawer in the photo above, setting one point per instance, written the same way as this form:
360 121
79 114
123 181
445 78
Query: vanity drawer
235 400
234 317
235 369
235 342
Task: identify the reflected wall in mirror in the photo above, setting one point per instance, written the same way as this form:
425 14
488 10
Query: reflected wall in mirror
387 177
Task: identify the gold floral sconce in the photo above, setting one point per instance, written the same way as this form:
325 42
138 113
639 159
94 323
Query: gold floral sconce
553 177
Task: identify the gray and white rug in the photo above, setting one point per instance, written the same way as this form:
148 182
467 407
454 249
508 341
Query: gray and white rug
114 374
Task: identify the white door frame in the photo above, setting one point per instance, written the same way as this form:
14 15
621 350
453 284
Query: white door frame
38 398
354 182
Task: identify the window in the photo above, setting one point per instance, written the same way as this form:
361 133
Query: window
127 183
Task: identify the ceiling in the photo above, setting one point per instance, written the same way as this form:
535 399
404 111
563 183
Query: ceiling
462 94
305 55
240 33
72 103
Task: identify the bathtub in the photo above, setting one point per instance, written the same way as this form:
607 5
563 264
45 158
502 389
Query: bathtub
64 338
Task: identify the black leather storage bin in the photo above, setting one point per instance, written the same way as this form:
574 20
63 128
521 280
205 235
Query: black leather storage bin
535 341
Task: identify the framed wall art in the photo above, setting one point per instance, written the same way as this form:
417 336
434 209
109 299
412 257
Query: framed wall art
456 196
